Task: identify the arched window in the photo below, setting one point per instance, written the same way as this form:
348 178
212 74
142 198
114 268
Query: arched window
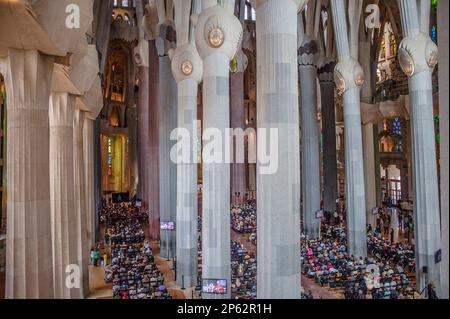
124 3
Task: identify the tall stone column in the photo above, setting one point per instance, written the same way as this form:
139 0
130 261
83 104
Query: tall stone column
80 201
29 270
88 151
418 56
369 171
310 154
168 169
443 104
153 150
237 114
143 109
62 204
218 33
187 69
330 187
349 78
278 194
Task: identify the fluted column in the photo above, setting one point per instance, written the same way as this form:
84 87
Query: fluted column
418 56
29 270
80 201
168 169
310 154
62 206
330 190
217 35
88 151
278 194
349 78
153 150
187 69
369 171
237 114
443 104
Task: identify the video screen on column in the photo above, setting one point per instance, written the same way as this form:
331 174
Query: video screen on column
214 286
167 225
375 211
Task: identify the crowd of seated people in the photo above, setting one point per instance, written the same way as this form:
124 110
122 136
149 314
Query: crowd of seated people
133 272
327 262
113 212
243 218
243 270
124 231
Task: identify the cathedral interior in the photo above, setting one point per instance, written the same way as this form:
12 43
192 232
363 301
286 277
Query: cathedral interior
224 149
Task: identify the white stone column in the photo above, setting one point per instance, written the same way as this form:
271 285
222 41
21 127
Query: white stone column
443 104
418 56
330 188
80 201
218 33
278 194
237 121
349 78
168 169
187 69
29 270
369 171
64 236
88 150
310 154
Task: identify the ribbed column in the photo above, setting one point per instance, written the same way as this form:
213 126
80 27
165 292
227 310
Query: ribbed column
80 201
354 175
29 270
237 113
426 201
143 109
217 36
187 70
88 151
418 56
153 150
330 190
187 197
62 202
369 171
278 194
349 77
167 169
310 154
443 103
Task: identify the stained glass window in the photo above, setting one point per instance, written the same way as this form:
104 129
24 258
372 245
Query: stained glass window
397 127
434 34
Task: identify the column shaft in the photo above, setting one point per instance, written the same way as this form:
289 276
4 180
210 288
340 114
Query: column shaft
369 171
237 113
310 150
278 194
330 193
88 145
62 202
187 199
29 271
426 202
216 176
143 134
80 201
354 175
168 169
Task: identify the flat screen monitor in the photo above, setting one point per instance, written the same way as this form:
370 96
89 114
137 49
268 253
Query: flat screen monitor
167 225
319 214
214 286
375 211
138 203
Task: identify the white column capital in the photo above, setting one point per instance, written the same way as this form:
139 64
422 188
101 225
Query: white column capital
141 54
299 3
186 63
348 74
218 31
417 54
